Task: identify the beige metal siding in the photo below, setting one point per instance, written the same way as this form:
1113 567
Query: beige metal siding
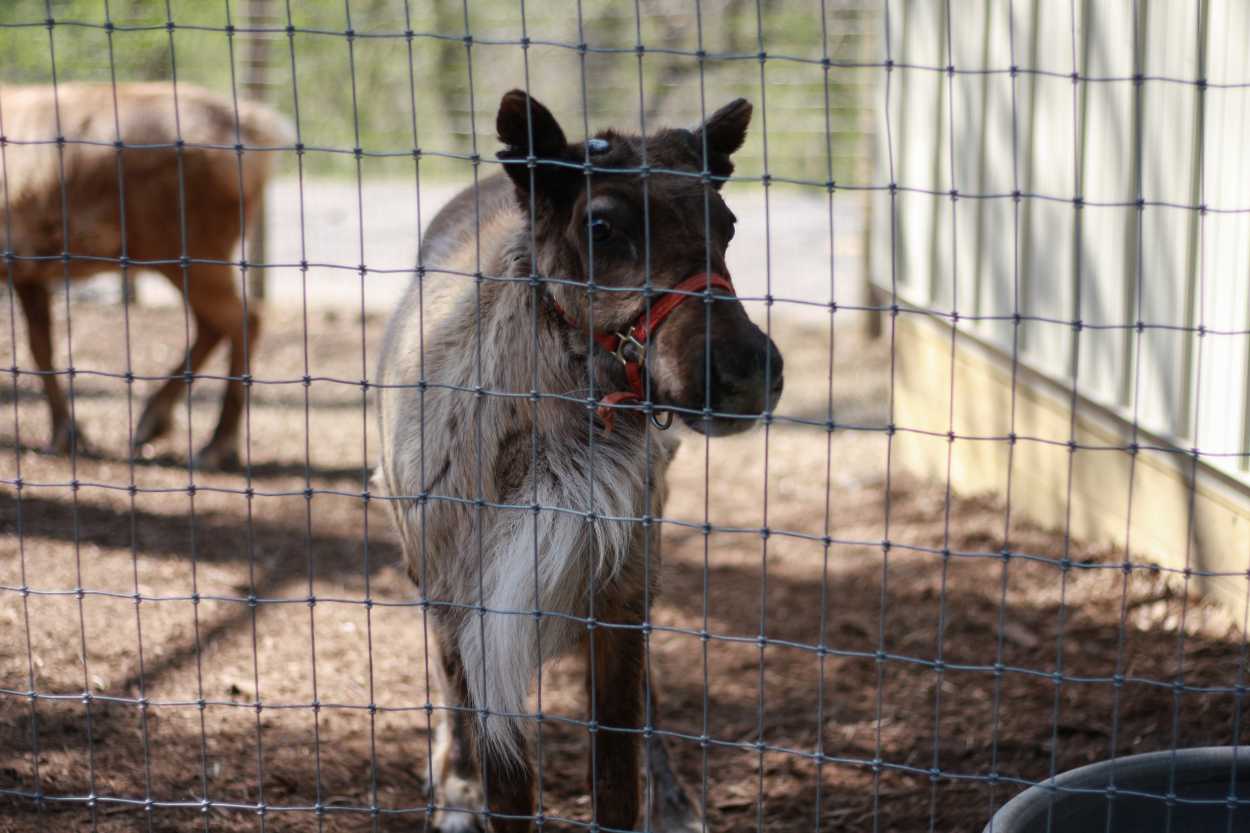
1078 246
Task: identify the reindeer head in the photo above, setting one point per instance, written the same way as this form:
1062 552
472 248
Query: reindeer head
627 229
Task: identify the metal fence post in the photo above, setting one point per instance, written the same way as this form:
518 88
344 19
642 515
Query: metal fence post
256 14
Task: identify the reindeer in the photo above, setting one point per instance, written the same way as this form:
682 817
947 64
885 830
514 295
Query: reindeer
95 178
527 505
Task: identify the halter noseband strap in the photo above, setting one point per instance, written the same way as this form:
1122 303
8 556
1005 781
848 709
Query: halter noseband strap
638 337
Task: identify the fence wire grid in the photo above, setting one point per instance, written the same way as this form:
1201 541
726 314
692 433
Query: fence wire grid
877 609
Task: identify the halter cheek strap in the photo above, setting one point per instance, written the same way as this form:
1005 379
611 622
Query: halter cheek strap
638 337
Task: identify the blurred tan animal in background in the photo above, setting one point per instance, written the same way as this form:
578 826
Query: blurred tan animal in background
94 177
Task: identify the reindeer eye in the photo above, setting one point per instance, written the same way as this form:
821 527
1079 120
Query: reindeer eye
600 230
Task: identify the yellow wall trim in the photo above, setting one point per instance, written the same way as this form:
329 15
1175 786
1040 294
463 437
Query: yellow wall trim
1180 515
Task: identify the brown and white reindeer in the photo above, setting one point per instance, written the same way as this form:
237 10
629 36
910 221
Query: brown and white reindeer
526 513
176 194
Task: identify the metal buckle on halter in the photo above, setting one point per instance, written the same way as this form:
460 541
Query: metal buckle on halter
622 341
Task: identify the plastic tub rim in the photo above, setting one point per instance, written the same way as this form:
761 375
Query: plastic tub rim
1094 778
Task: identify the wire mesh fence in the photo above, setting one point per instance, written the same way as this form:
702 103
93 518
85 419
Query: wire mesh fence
950 563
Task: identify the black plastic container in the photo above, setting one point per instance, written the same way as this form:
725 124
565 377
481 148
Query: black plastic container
1210 775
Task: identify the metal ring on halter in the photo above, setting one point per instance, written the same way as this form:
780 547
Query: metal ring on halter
666 424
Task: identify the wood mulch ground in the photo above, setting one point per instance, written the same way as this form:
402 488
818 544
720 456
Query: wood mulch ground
933 712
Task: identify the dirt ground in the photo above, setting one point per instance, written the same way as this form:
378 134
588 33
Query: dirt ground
938 729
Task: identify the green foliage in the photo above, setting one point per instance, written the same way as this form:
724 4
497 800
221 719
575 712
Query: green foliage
388 93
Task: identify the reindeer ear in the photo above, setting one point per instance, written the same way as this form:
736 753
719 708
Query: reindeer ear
525 126
724 131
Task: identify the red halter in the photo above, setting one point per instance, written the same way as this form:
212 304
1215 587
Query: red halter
638 336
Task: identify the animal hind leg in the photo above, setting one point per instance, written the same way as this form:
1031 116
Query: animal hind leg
222 449
35 305
157 416
219 309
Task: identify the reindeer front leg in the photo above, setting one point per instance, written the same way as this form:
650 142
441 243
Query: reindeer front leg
614 681
618 700
672 811
509 792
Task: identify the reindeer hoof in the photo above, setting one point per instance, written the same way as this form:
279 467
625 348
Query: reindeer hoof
152 426
455 797
69 438
455 821
673 812
684 823
217 457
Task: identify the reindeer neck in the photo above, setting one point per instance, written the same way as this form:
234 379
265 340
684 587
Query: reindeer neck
567 358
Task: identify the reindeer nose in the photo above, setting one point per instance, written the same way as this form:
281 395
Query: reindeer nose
775 369
779 384
748 380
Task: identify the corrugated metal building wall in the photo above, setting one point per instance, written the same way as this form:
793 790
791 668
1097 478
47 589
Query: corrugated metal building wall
1073 191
